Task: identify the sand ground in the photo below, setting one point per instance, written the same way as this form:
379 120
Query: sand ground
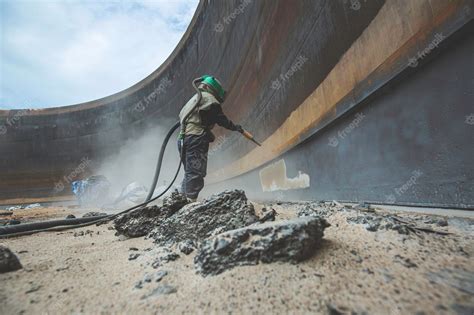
355 271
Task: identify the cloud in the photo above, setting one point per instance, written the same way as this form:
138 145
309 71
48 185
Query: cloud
56 53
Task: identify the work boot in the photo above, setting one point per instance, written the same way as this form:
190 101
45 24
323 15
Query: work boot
192 199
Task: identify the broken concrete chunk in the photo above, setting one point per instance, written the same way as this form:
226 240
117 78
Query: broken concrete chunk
147 278
175 201
163 256
186 247
160 275
314 209
374 222
442 222
139 285
8 260
225 211
142 221
139 222
133 256
268 215
289 240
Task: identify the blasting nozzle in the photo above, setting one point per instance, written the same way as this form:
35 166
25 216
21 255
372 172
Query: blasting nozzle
249 136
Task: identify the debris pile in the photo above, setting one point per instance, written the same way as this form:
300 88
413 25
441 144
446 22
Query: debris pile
222 212
142 221
375 222
8 260
289 240
224 228
318 209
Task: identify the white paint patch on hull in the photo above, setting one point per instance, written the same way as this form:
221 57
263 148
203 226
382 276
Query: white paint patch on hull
274 178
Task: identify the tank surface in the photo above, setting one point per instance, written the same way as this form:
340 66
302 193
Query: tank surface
352 100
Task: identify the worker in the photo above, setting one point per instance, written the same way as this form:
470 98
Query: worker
197 133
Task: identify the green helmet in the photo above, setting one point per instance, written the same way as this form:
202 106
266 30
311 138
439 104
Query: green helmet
215 86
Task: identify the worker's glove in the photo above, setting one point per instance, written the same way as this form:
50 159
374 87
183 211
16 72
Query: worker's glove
239 128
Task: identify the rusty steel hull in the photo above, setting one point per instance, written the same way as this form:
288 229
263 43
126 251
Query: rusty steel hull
301 75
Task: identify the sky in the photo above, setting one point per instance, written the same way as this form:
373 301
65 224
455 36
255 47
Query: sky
64 52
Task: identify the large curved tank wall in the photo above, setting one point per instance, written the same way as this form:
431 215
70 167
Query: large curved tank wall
298 74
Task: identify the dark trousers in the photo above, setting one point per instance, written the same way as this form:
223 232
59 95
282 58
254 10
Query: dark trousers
195 164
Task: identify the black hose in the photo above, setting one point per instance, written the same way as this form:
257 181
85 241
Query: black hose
160 160
17 228
61 225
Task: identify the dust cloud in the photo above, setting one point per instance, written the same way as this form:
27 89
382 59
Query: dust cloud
136 162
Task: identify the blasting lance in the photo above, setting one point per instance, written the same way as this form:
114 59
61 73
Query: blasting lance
249 136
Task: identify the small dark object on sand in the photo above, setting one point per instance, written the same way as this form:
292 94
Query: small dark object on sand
8 260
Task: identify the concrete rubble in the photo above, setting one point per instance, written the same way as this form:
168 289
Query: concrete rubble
267 215
8 260
196 221
289 240
187 247
316 209
224 228
374 223
142 221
